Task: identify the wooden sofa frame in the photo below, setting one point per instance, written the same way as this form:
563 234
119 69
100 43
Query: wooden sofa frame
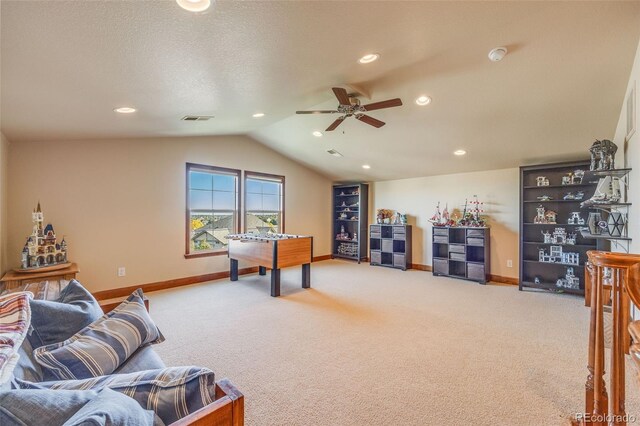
226 410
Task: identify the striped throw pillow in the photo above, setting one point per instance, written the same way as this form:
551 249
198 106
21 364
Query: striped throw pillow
172 393
15 318
101 347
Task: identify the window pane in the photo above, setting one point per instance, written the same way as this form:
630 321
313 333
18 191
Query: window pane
200 180
254 202
200 200
254 186
267 221
224 183
270 202
272 188
224 200
208 231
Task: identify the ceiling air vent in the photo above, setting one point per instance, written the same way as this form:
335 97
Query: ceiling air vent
334 152
196 117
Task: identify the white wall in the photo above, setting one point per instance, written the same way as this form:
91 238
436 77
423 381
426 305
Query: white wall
4 187
122 202
418 197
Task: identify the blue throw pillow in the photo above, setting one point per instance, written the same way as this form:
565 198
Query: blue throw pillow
32 407
101 347
55 321
172 393
113 409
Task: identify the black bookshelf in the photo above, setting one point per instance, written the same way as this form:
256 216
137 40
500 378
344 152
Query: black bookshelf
531 234
461 252
390 245
350 213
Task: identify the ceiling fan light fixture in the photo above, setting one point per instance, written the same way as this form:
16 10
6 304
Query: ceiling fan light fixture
258 115
194 5
368 58
125 110
423 100
317 134
459 152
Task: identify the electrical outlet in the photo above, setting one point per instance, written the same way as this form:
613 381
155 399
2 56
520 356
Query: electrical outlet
121 271
509 263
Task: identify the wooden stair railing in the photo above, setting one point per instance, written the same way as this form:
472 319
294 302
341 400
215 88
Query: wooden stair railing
614 279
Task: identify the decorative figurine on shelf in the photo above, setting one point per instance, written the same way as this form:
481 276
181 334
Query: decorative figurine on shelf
545 216
616 224
571 196
403 219
603 154
536 280
355 236
542 181
575 219
471 216
607 192
566 180
343 204
571 239
42 249
559 236
545 198
546 237
569 280
342 193
576 178
384 215
343 215
343 235
557 255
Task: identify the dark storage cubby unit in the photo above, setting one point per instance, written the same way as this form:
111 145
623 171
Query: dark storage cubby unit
461 253
390 246
531 237
350 210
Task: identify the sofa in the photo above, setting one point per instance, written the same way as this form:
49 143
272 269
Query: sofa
79 362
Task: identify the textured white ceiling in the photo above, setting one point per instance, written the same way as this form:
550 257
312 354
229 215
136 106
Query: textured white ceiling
67 64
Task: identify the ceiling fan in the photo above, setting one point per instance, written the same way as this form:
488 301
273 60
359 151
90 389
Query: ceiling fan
350 107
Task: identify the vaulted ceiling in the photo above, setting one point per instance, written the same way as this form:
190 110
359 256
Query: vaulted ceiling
67 64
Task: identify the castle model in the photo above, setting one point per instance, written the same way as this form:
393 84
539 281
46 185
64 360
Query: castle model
41 248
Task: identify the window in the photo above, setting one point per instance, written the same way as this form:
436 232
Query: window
264 202
212 208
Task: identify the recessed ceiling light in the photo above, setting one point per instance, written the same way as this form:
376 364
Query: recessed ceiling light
194 5
423 100
317 134
366 166
125 110
497 54
258 115
459 152
368 58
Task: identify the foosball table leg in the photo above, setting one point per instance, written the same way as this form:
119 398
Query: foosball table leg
306 275
275 282
262 270
233 269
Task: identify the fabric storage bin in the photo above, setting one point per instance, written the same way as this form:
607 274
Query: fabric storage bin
441 231
456 248
474 241
375 235
387 246
398 260
375 228
375 257
475 271
441 266
457 256
475 233
398 236
398 230
440 239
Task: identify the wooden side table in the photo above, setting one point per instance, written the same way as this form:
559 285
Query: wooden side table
14 279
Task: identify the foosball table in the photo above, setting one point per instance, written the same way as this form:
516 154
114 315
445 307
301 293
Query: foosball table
274 251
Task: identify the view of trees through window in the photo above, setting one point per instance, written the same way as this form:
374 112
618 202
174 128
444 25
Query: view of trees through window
263 203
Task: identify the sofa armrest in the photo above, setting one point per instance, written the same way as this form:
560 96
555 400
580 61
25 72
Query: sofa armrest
226 410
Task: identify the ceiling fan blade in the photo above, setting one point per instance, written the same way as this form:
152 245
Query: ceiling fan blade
370 120
317 112
342 95
383 104
335 124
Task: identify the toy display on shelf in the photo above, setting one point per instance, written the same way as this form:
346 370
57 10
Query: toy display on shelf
42 249
575 219
347 249
557 255
559 236
384 215
442 218
545 216
579 195
569 280
607 192
573 178
471 216
603 155
542 181
545 198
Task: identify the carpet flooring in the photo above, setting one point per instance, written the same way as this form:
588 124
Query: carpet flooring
377 346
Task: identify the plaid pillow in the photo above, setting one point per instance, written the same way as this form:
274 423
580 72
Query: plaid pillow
172 393
101 347
15 317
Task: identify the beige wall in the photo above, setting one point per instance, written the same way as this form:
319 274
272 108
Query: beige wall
418 197
4 187
122 202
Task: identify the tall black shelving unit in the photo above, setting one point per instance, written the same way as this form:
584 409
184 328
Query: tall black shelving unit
351 213
532 240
